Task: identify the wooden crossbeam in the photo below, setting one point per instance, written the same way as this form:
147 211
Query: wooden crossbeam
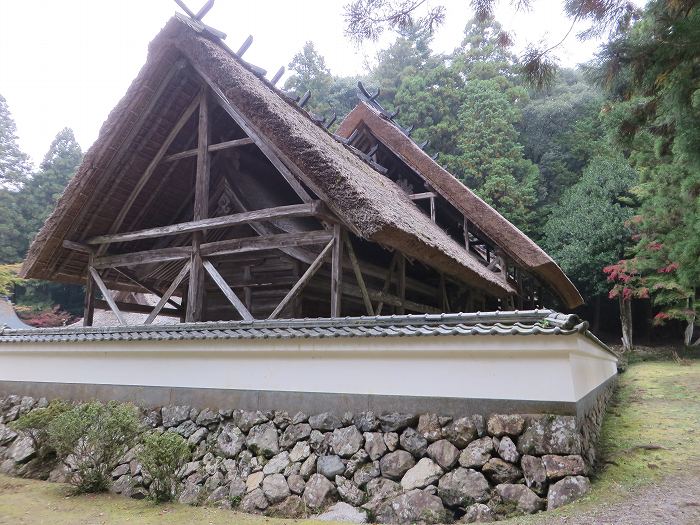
391 299
421 196
279 212
303 281
166 296
260 142
266 242
358 275
236 143
146 176
227 291
401 271
137 308
107 296
145 257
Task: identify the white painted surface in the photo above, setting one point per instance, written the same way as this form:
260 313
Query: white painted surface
537 368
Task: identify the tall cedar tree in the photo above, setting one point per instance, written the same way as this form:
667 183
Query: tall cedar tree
653 71
14 164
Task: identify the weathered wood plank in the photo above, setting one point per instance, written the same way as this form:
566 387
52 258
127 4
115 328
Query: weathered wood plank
145 177
387 282
136 308
303 281
145 257
421 196
337 272
225 221
171 289
358 275
227 291
401 271
235 143
267 242
195 289
89 305
78 247
201 188
107 296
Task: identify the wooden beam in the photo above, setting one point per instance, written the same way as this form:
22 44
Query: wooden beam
391 299
173 286
358 275
443 293
78 247
421 196
107 296
145 257
432 209
337 272
257 137
267 242
195 291
387 281
303 281
225 221
226 289
145 177
89 305
136 308
236 143
247 291
401 270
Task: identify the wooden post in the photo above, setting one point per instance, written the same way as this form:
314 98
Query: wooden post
466 234
247 290
432 209
89 310
337 272
402 283
387 282
195 295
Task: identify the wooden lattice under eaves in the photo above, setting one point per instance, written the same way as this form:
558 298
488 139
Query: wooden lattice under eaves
213 190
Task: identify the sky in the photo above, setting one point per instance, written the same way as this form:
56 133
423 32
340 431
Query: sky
66 63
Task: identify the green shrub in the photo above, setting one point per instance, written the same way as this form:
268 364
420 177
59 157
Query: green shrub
163 454
36 423
97 435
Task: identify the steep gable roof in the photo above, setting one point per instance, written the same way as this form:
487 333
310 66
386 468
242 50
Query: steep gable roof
501 232
369 204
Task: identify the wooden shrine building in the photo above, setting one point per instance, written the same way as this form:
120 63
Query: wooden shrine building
216 191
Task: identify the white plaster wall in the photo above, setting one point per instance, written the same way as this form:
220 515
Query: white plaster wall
537 368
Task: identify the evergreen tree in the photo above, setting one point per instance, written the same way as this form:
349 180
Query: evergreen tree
652 70
14 164
489 158
42 191
310 73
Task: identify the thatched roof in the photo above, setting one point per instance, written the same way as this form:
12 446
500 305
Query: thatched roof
369 204
501 232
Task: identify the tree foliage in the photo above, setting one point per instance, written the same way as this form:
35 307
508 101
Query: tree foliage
14 164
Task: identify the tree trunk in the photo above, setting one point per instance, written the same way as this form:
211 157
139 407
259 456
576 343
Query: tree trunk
626 322
690 328
596 314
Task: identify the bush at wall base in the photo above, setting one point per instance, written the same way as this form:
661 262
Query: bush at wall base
94 435
162 456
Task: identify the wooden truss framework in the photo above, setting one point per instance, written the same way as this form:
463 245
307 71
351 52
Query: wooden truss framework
198 256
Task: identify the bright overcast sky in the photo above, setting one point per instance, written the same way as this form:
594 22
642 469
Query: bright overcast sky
68 62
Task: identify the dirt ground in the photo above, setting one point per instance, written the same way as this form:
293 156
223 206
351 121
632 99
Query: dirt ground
650 451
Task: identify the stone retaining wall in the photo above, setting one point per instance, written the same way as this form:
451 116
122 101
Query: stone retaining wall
388 468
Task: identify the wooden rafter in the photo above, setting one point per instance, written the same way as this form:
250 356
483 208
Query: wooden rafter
107 296
146 176
358 275
249 130
169 292
303 281
227 291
